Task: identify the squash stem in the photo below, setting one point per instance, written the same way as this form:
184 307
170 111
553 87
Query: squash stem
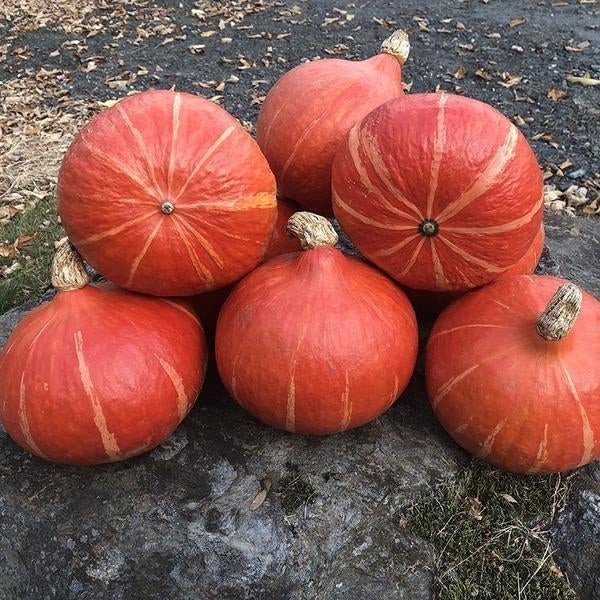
397 45
68 270
312 230
561 312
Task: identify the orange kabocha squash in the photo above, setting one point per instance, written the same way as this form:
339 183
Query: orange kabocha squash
512 374
165 193
316 342
99 374
310 109
442 192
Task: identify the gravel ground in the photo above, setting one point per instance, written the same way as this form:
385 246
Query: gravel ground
62 60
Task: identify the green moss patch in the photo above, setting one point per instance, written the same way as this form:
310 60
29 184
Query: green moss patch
490 531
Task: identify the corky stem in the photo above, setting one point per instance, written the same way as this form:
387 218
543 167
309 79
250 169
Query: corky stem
312 230
68 270
397 45
560 314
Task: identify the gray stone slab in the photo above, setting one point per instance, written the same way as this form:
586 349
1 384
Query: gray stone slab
176 523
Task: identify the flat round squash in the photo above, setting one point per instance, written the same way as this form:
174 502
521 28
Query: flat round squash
441 192
166 193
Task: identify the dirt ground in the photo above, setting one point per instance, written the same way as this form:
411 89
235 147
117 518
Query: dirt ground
61 61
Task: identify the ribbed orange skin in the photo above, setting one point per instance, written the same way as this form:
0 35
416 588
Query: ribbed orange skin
428 302
161 146
308 112
316 342
100 374
507 395
441 158
281 242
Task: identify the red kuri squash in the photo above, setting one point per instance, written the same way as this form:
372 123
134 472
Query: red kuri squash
512 374
440 191
311 108
316 342
99 374
166 193
426 301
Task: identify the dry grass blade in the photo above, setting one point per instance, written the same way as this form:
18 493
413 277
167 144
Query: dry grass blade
491 534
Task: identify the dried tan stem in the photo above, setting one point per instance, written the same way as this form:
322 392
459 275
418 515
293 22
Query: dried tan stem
561 312
68 269
397 45
312 230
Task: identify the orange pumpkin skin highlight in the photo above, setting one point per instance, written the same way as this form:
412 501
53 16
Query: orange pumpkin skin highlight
429 302
100 374
441 192
530 260
167 182
316 342
506 394
308 112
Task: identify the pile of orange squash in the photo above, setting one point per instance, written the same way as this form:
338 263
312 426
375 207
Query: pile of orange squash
208 236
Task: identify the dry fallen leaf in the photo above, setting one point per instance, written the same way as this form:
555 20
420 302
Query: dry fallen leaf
459 73
558 206
475 509
578 47
576 195
509 80
7 250
118 84
24 239
108 103
7 212
481 72
551 194
519 120
509 498
556 94
591 209
260 498
565 165
517 22
546 137
197 48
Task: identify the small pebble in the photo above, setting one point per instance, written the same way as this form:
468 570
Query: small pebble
581 172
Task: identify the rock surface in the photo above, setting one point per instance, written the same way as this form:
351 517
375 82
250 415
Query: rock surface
577 535
177 523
